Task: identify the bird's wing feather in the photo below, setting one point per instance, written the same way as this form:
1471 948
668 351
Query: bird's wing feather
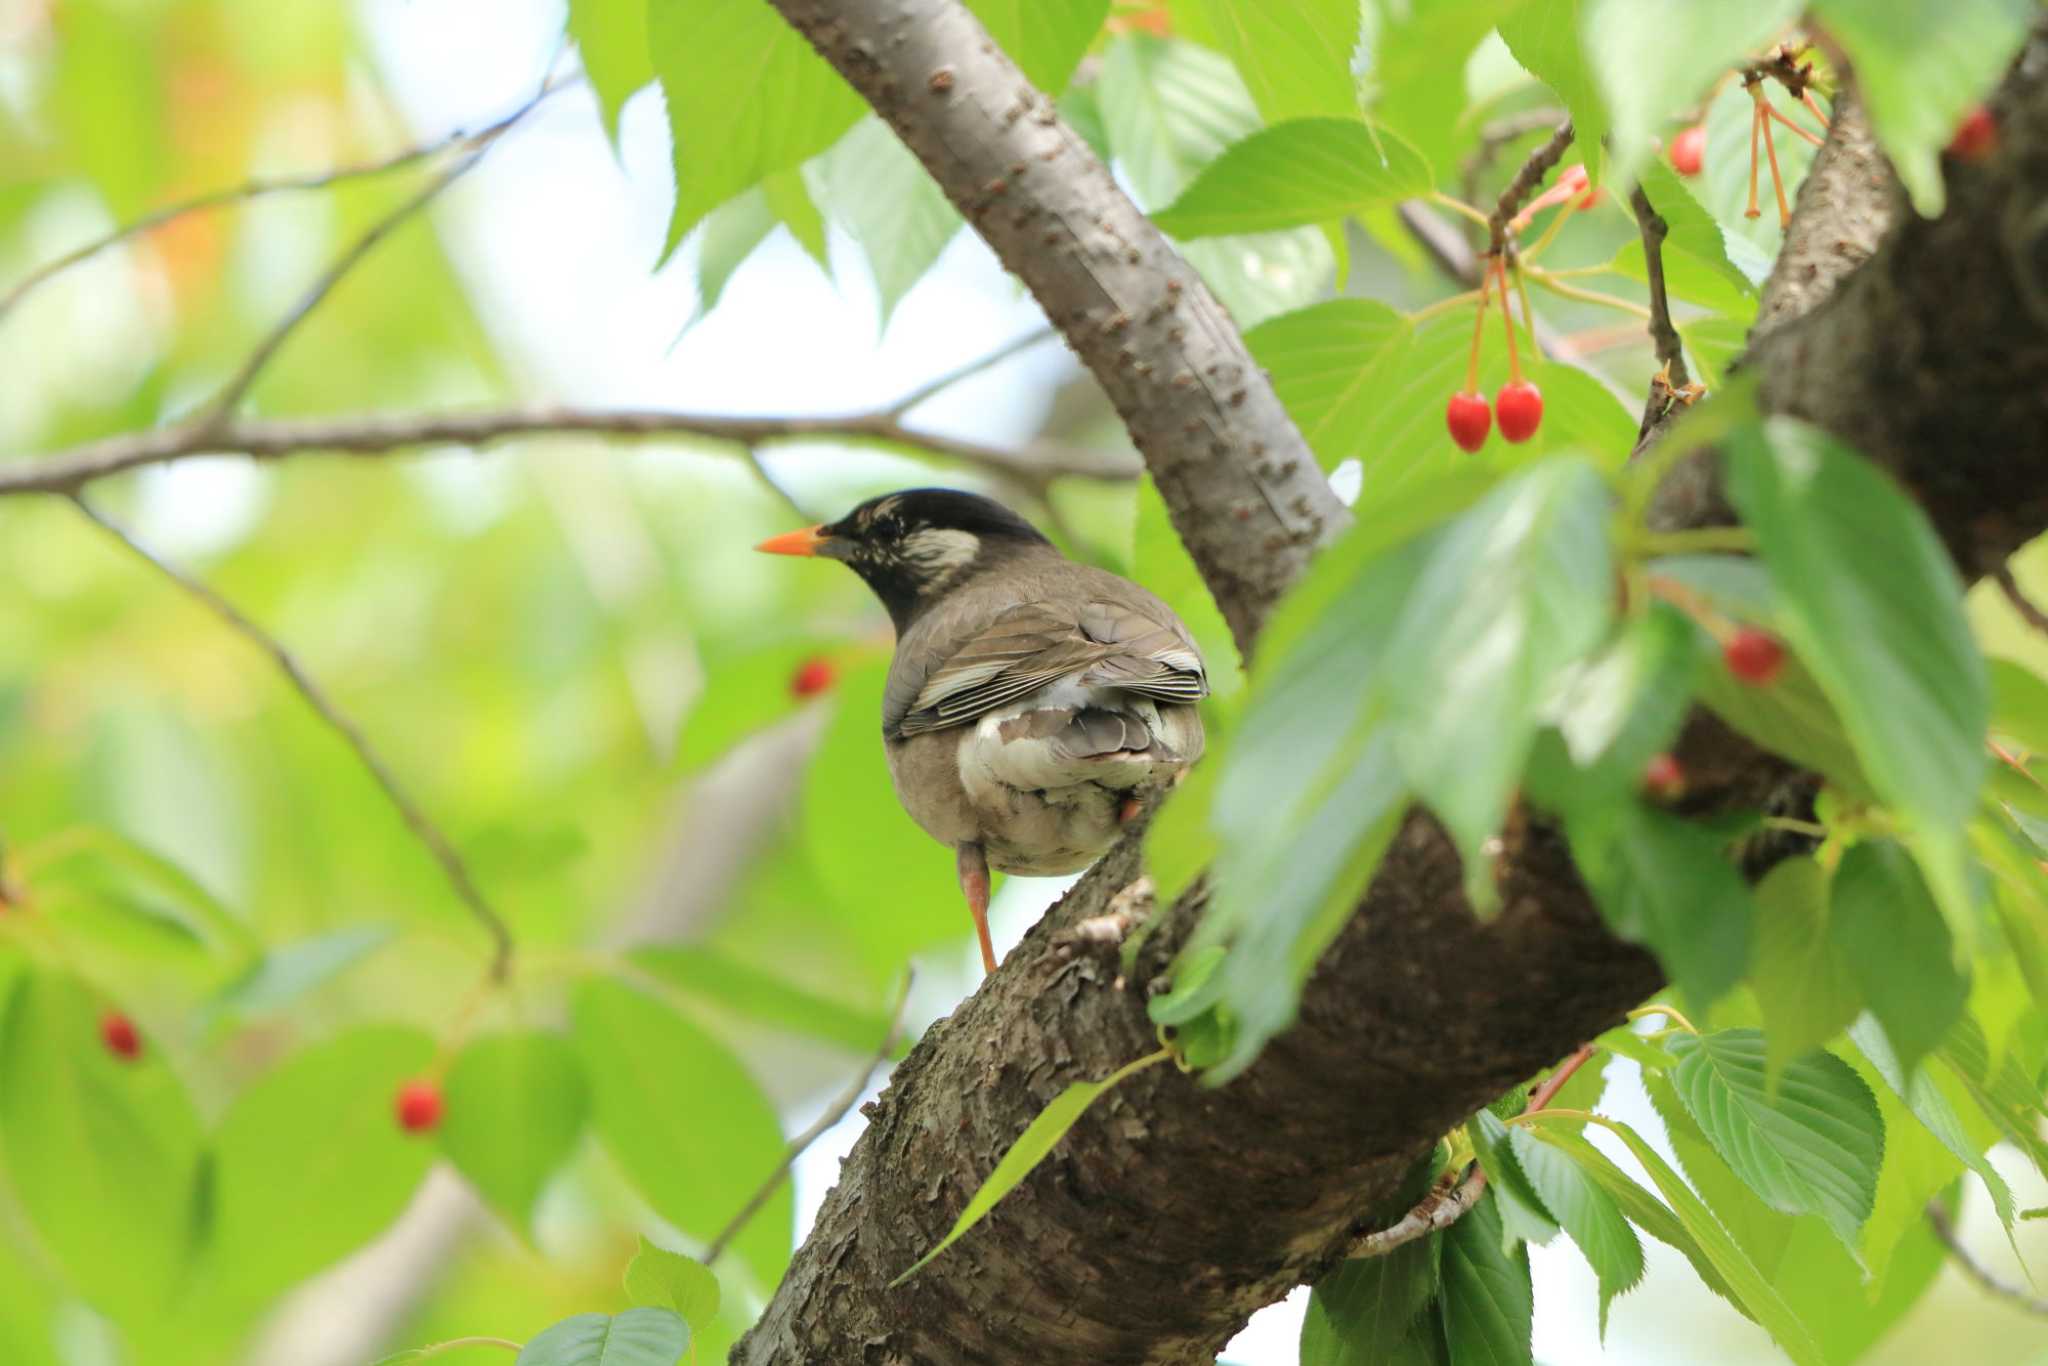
954 677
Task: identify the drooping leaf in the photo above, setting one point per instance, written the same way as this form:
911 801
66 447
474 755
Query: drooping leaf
1039 1138
1369 1311
309 1163
1518 1206
1295 174
515 1108
101 1153
876 189
635 1337
1664 883
684 1119
1872 604
1890 936
611 37
1543 35
1920 66
747 96
1487 1301
1586 1212
1044 37
1414 71
669 1280
1813 1146
1622 707
2019 704
1922 1094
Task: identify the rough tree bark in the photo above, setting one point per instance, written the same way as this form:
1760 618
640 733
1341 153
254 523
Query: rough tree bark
1173 1211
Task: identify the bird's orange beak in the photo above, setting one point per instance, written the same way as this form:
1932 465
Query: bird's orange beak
801 542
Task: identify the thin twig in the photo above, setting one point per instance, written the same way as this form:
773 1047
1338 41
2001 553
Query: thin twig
258 189
237 388
1546 1090
424 829
1526 179
1443 1206
834 1112
1664 336
376 434
2021 603
1497 135
1945 1230
1442 240
931 388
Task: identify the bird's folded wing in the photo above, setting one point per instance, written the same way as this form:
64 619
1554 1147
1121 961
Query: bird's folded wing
955 678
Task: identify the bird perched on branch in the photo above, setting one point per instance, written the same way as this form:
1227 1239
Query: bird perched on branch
1034 703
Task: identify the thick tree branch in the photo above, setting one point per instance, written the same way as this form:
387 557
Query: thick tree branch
1245 493
378 434
1172 1211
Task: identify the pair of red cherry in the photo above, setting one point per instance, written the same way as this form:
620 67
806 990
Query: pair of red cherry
1519 403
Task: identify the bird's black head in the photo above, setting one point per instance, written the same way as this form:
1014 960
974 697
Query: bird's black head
911 544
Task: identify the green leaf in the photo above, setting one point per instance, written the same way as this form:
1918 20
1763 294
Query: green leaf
731 232
1802 984
684 1119
1487 1301
1872 604
1417 60
1920 66
1664 883
90 852
611 37
747 96
285 974
1746 1286
2019 704
792 206
309 1162
1655 62
878 191
1294 55
1813 1147
1923 1098
1520 1208
1517 589
722 980
669 1280
101 1153
1039 1138
1891 937
1369 1310
515 1108
1543 35
636 1337
1693 236
1294 174
1624 706
1587 1213
1044 37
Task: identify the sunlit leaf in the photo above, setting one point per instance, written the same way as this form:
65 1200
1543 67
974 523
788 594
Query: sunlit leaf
669 1280
635 1337
1302 172
1890 936
1487 1301
515 1108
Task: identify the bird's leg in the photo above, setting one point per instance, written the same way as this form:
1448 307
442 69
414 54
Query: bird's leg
972 865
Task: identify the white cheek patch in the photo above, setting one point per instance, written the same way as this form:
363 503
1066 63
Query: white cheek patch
936 555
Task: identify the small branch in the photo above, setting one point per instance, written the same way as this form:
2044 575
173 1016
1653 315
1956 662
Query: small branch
257 189
1442 240
2021 603
834 1112
1552 1084
1945 1230
1443 1206
237 388
1531 175
1497 135
415 819
931 388
378 434
1663 335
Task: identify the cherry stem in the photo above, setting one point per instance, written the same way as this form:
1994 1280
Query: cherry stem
1810 136
1756 119
1669 1012
1478 325
1806 98
1763 106
1528 314
1457 206
1507 320
1444 306
1587 296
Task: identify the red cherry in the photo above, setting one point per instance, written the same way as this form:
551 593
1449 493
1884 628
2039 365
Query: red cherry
418 1106
1469 419
1520 405
1753 656
1663 778
1689 150
1976 137
812 677
119 1034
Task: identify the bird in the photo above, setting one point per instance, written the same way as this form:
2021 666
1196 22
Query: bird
1034 704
